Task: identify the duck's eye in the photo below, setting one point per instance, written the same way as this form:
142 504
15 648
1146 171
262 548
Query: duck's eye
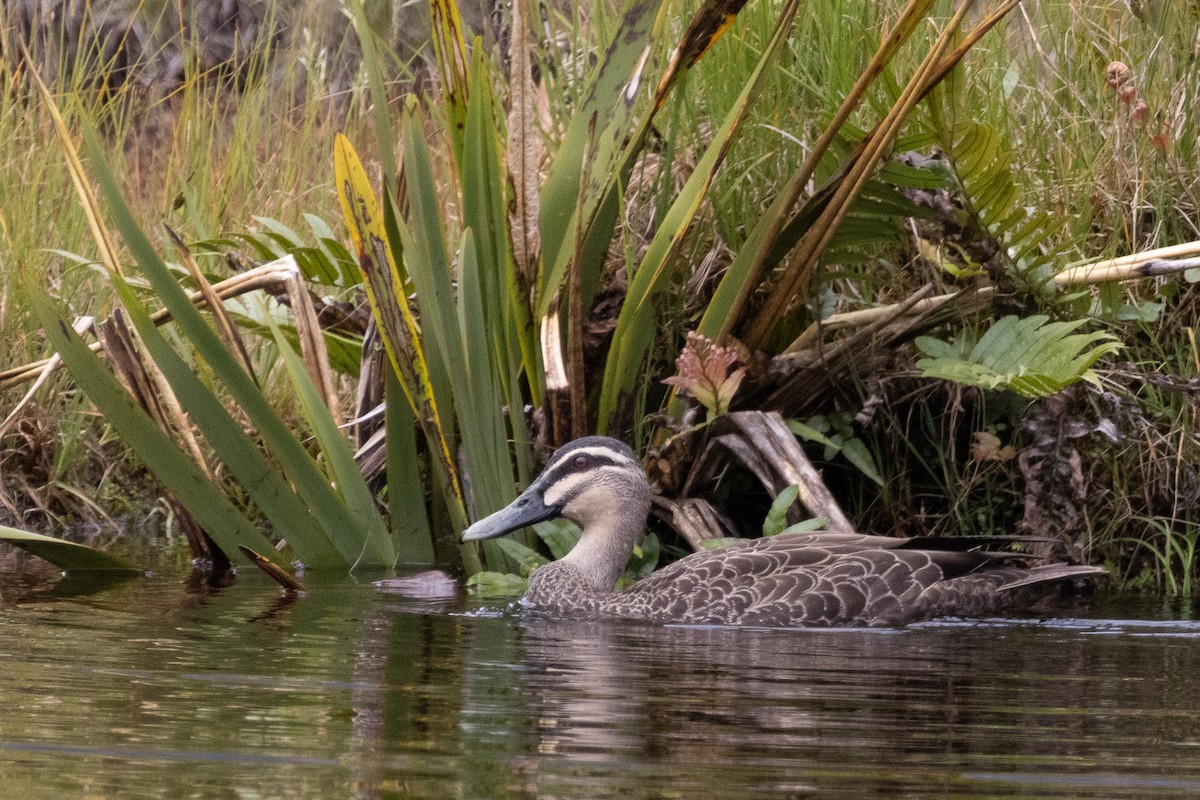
580 462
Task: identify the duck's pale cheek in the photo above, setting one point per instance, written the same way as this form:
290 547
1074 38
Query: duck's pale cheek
589 506
558 492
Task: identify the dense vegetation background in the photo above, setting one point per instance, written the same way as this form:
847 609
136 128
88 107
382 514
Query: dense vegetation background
1067 134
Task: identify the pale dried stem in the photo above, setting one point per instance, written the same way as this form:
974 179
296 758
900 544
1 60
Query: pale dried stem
43 374
915 306
1136 265
273 274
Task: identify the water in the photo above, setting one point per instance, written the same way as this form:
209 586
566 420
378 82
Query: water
147 690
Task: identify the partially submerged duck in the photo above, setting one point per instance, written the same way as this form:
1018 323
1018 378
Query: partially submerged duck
820 579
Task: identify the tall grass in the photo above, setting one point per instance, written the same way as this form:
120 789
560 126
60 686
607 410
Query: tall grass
205 155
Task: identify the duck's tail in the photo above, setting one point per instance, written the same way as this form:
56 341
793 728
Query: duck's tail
1051 572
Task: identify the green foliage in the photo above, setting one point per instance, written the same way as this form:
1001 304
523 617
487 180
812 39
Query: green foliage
982 164
496 584
1032 356
1174 555
836 433
65 555
776 519
459 310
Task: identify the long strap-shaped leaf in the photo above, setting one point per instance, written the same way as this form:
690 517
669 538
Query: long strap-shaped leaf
742 277
226 525
384 286
790 283
623 62
614 147
66 555
368 541
635 325
372 66
270 492
450 51
311 485
178 304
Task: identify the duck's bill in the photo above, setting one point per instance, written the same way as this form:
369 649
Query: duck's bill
527 509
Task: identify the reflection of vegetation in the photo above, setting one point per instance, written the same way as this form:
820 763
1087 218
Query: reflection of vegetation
519 300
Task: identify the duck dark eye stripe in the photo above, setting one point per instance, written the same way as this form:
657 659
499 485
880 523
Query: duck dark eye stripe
565 466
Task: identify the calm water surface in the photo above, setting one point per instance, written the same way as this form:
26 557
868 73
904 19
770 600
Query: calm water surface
147 690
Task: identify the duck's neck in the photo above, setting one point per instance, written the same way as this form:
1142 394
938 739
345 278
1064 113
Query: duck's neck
604 548
600 557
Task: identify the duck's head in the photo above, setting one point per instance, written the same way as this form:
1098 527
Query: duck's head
596 482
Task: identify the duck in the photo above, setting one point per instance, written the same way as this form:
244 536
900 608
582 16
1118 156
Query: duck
789 580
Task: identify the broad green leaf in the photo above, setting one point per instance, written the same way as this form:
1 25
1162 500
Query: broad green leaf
776 519
66 555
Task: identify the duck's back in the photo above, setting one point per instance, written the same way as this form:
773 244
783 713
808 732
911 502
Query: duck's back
828 580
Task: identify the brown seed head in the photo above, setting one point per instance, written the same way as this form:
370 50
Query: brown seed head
1140 109
1117 74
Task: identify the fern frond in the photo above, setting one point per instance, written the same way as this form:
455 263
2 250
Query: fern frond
982 166
1032 356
